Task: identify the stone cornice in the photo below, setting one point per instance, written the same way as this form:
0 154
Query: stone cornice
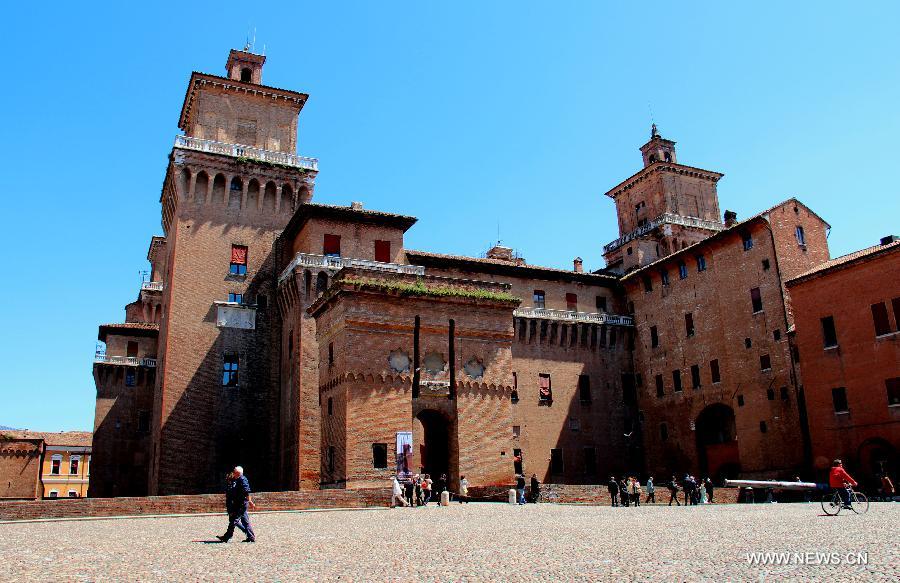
645 173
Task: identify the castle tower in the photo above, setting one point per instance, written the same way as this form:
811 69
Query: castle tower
664 207
232 184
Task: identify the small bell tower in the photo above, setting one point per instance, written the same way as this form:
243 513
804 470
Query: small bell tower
658 149
245 66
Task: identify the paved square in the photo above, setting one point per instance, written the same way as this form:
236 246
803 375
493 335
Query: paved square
477 542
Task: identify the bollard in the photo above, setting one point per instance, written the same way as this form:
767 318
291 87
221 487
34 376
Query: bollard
445 498
512 497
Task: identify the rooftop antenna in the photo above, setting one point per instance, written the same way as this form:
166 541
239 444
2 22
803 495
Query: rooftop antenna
498 232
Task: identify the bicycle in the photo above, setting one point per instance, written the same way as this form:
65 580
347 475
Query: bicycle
832 503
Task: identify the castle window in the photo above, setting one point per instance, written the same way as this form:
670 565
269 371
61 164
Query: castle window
695 376
893 391
765 363
556 462
73 465
776 334
574 424
331 354
246 75
747 241
545 391
538 299
740 400
330 406
714 371
236 184
230 370
765 264
132 349
756 300
660 389
514 397
880 318
130 378
663 432
701 263
238 260
829 334
572 302
235 298
784 393
748 343
73 494
682 270
676 380
689 324
801 236
584 388
648 283
601 303
331 246
762 427
54 493
628 251
839 399
770 394
654 337
664 276
668 156
383 251
321 282
143 422
55 463
379 456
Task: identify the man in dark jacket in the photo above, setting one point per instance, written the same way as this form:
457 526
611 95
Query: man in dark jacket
673 491
613 488
520 489
535 489
237 500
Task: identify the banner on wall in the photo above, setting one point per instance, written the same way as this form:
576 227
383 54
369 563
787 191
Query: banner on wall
404 454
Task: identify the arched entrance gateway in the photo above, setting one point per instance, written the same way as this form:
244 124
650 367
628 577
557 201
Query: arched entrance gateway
717 447
434 446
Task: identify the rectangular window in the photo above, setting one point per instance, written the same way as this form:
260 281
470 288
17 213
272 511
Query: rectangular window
676 381
682 271
143 421
660 389
770 394
740 400
330 458
330 404
590 461
701 263
663 432
765 264
572 302
689 324
765 363
714 371
601 303
648 283
893 391
230 370
584 388
73 494
517 431
695 376
664 276
331 354
238 260
776 334
55 463
829 333
73 465
235 298
801 236
331 246
880 318
379 456
747 241
654 337
132 350
556 462
538 299
763 427
839 398
756 299
514 396
383 251
574 424
545 391
130 378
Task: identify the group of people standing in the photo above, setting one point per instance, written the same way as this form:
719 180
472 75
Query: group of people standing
418 489
695 491
627 491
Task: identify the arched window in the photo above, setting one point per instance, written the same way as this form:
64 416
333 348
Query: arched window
652 158
246 75
668 157
321 282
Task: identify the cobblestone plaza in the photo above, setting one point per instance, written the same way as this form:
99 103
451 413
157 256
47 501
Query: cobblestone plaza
474 542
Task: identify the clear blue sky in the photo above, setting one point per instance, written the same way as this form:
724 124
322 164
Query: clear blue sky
465 115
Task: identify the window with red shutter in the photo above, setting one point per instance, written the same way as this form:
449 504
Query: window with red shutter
383 251
332 245
546 392
238 260
572 302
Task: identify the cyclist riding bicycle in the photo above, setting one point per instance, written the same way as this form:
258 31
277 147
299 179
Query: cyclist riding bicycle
840 481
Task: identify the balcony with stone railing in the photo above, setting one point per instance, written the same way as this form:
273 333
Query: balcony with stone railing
240 151
336 263
434 389
575 317
103 358
152 286
663 219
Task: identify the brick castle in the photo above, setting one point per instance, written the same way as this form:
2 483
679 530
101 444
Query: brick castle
306 343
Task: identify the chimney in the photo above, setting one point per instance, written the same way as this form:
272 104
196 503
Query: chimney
579 265
357 206
889 239
730 218
501 253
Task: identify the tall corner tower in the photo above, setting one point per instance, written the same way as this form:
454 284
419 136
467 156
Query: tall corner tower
664 207
232 183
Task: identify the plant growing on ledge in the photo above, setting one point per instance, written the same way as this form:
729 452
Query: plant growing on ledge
419 288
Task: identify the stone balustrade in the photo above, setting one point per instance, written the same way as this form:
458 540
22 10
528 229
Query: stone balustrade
663 219
241 151
336 263
567 316
103 358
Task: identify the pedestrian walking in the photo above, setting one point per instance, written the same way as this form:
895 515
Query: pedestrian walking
417 480
709 489
520 489
427 484
397 493
409 489
237 500
463 490
673 491
613 487
651 491
887 487
535 489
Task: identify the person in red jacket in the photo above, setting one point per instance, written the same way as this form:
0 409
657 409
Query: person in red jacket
839 479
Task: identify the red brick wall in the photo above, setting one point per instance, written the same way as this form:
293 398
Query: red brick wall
20 468
861 363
